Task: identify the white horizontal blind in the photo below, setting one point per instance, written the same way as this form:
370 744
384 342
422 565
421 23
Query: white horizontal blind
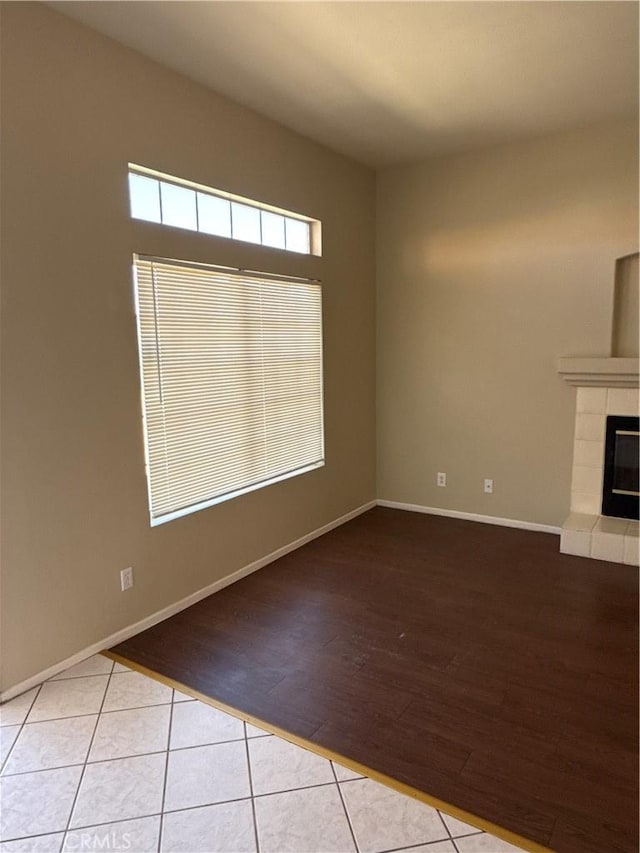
231 370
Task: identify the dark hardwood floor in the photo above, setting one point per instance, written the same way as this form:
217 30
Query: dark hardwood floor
472 662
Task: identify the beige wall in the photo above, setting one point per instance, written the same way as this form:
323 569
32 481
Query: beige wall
491 266
76 107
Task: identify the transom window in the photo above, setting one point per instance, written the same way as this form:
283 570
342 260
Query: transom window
156 197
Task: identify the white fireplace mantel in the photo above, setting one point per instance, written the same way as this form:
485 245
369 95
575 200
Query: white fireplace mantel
600 372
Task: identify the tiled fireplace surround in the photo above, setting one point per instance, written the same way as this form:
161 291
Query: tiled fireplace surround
604 387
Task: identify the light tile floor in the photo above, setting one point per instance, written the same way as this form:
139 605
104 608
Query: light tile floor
102 758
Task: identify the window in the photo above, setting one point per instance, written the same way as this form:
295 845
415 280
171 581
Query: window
231 368
156 197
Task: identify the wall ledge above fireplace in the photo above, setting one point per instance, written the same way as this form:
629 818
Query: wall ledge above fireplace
600 372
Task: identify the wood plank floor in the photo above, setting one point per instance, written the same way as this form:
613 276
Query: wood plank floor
472 662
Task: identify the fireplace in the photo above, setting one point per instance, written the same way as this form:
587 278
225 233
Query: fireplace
603 520
621 454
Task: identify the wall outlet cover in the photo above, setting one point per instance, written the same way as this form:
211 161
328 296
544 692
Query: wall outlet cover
126 578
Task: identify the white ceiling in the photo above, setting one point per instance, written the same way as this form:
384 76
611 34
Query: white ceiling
393 82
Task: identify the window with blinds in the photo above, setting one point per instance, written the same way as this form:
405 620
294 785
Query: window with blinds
231 370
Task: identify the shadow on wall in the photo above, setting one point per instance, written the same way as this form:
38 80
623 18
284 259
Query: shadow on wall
463 248
626 308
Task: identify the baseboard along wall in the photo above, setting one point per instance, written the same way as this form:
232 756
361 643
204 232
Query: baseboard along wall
472 516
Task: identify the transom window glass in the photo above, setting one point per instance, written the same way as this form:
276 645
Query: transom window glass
168 200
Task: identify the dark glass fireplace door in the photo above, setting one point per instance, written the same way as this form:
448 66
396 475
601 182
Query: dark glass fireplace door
621 484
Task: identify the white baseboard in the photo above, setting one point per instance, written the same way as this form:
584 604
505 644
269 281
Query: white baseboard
160 615
472 516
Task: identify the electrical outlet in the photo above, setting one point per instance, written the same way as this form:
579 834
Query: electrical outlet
441 479
126 578
488 487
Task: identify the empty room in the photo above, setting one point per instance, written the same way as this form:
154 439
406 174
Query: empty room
319 426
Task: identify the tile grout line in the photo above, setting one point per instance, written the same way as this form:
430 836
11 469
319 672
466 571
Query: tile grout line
182 749
80 828
63 717
415 846
54 679
458 836
448 831
22 725
253 802
255 797
134 707
84 767
46 769
166 773
344 806
469 834
197 745
89 714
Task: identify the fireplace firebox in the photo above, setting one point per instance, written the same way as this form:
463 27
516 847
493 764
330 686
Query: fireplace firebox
620 490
